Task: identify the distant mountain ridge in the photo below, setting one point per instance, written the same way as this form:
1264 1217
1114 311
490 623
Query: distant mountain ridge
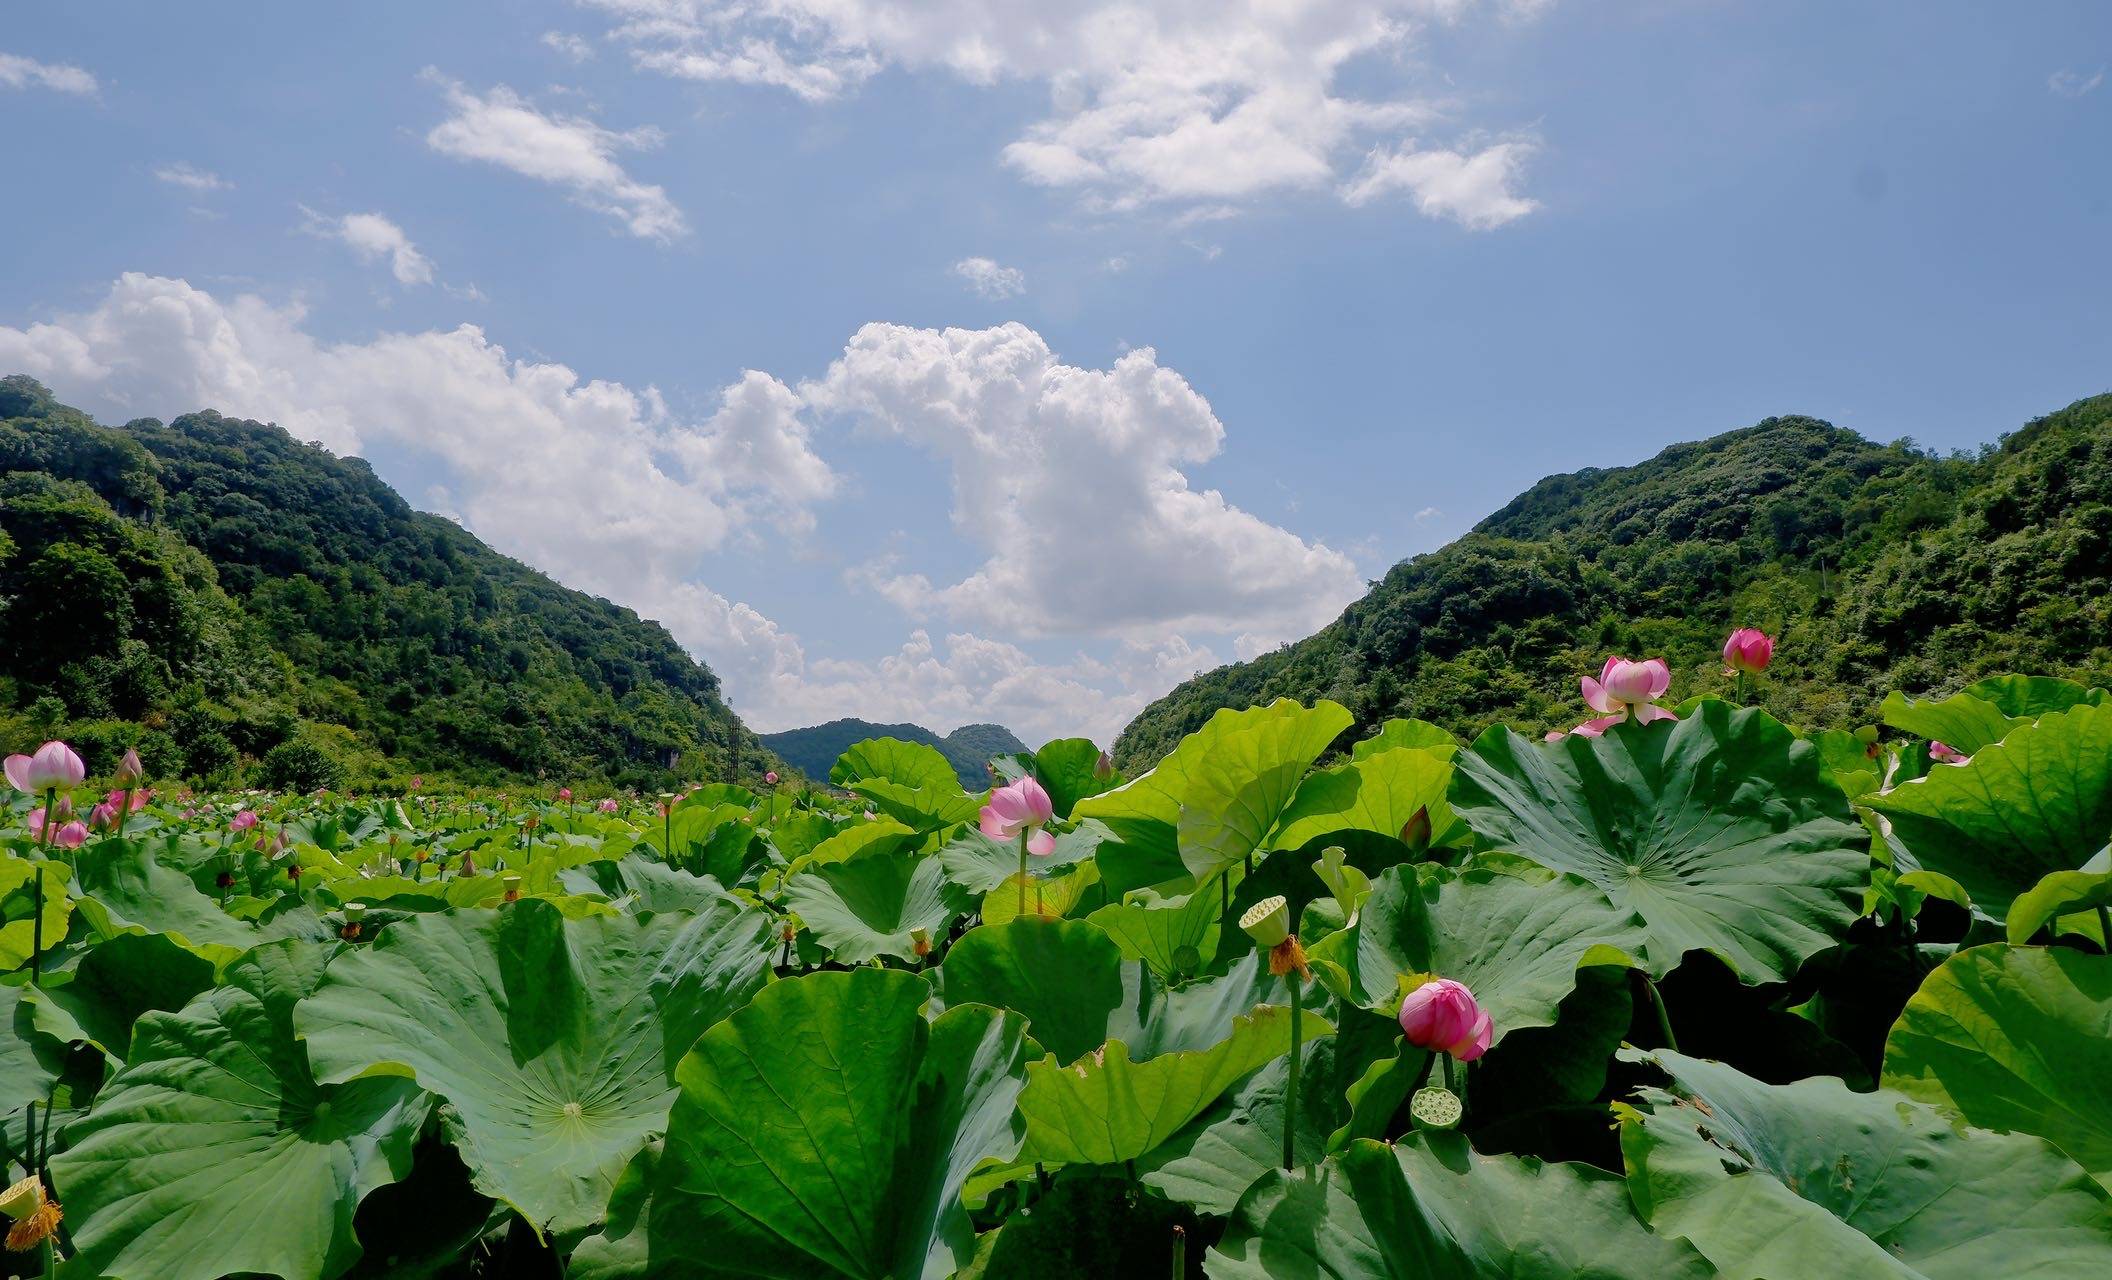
1877 566
243 606
968 749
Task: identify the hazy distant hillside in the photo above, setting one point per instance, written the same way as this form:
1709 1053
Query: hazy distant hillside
1880 566
231 598
968 749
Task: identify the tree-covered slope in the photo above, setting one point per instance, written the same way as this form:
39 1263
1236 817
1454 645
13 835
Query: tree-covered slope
968 749
219 590
1879 566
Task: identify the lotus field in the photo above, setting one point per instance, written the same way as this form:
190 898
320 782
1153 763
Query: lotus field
1683 992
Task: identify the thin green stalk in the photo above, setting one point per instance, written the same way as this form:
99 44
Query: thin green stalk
36 915
1290 1091
1180 1253
1664 1020
1022 871
2104 928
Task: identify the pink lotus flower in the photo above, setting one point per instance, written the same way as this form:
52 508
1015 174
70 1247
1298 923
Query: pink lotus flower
1443 1016
1944 754
1748 651
1624 691
242 821
103 817
609 805
770 778
1021 806
129 769
71 836
53 765
417 782
564 795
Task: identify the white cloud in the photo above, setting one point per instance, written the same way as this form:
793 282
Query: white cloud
577 48
373 237
1190 101
1427 514
191 177
503 128
2074 84
594 482
990 280
1070 481
1475 190
18 72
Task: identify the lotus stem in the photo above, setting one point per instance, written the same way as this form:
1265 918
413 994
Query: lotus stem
36 916
1023 871
1664 1020
1180 1252
2104 929
1290 1089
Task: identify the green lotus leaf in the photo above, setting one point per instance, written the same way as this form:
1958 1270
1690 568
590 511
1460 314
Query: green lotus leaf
1720 831
926 808
1107 1108
1065 976
1430 1208
1175 938
96 998
553 1040
2017 1039
1380 792
18 907
854 838
1847 759
32 1061
2033 696
826 1130
1418 735
1961 721
2066 900
121 886
646 886
867 904
1811 1179
1515 942
906 764
797 834
1068 769
1057 895
1234 794
2037 802
215 1150
979 864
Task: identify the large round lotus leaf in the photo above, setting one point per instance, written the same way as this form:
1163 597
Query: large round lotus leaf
1515 941
2037 802
1106 1108
2017 1039
18 908
98 997
1720 831
1069 770
552 1040
121 886
979 864
1811 1179
826 1131
1065 976
868 904
1175 938
1420 735
909 764
2030 697
216 1152
31 1061
925 808
1234 793
1379 791
1961 721
1430 1208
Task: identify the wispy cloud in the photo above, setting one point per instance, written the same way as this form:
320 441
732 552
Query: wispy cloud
18 72
2074 84
191 178
503 128
990 280
374 238
576 47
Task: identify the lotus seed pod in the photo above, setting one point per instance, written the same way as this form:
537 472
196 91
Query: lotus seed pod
1435 1108
1268 921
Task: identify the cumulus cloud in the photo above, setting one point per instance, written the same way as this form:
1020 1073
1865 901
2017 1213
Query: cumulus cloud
1151 100
989 280
1477 191
18 72
503 128
374 238
191 178
1070 481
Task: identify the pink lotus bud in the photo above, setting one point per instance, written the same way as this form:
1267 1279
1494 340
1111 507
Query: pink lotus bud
71 836
242 821
1415 833
564 795
103 817
417 782
1021 806
770 778
129 769
53 766
608 805
1104 767
1943 754
1748 650
1442 1016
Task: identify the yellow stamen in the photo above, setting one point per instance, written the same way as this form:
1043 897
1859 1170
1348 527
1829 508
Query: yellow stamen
41 1225
1286 956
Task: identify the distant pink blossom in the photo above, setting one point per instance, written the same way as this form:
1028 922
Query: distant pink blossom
1021 806
71 836
564 795
1749 650
609 805
54 765
103 817
242 821
1443 1016
129 769
770 778
1942 753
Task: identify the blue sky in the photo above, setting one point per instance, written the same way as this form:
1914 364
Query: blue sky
702 304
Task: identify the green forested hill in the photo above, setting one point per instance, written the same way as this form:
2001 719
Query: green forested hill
241 604
1878 566
968 749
